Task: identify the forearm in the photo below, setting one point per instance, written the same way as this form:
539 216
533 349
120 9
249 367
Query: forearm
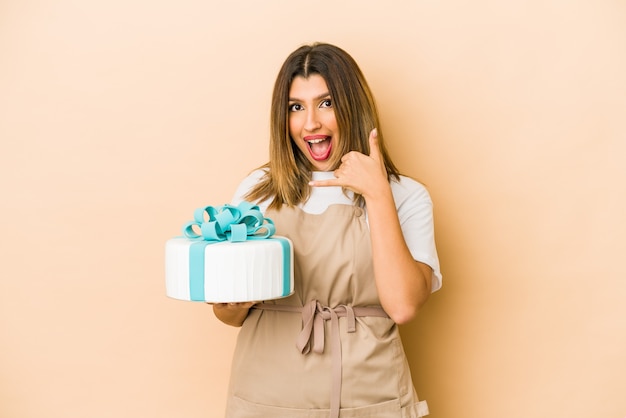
403 284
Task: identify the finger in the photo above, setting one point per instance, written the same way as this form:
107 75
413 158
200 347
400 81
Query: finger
237 305
374 150
350 156
325 183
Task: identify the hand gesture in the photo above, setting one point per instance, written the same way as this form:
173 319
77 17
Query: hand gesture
363 174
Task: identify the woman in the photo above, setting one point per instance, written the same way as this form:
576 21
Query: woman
364 251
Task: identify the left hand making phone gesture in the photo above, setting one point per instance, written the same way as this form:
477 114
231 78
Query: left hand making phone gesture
403 284
363 174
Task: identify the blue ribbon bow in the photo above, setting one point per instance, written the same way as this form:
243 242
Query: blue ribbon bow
233 223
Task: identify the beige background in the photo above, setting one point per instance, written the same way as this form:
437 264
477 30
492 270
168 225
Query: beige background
119 118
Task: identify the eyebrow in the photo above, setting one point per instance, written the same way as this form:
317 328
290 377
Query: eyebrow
321 96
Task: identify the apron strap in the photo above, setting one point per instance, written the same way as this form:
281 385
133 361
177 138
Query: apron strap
314 314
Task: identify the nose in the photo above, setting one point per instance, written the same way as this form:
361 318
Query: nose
312 122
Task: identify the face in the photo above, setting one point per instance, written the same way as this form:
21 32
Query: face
312 124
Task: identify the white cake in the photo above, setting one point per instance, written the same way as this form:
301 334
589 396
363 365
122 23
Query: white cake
229 271
219 270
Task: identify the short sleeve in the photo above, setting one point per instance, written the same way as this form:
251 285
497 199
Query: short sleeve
415 212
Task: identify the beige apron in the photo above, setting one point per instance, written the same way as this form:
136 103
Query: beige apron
329 349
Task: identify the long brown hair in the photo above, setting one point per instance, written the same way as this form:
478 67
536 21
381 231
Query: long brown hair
289 171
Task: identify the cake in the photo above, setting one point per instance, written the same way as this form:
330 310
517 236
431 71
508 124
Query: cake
229 254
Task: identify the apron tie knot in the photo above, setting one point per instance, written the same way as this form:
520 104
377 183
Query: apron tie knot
313 316
311 337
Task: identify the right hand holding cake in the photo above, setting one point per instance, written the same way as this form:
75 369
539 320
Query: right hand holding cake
232 313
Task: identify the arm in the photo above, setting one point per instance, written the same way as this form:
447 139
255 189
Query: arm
403 284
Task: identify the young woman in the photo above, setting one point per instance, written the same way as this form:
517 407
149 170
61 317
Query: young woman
364 255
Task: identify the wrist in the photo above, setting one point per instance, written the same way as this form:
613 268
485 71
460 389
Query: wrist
378 193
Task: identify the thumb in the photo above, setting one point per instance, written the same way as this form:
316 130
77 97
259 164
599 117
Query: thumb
374 150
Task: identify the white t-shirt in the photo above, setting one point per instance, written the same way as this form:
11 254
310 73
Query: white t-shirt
413 204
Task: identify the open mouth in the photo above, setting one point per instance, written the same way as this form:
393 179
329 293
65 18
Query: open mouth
319 146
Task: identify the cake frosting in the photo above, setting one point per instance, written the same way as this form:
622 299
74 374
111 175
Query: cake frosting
229 254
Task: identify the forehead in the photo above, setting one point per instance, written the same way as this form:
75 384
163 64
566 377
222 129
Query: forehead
314 86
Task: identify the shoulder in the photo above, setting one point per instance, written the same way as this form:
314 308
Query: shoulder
406 190
247 184
413 202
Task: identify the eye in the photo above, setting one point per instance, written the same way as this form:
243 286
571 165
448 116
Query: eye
295 107
326 103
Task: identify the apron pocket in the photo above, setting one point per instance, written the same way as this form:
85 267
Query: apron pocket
241 408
